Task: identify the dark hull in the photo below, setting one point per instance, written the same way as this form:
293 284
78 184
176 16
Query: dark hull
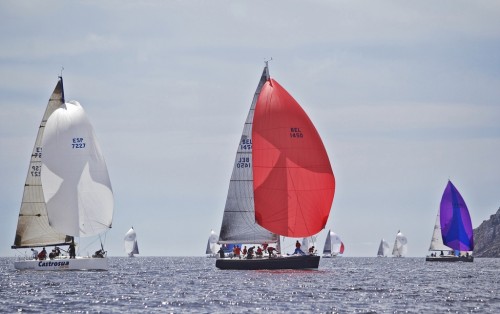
289 262
450 259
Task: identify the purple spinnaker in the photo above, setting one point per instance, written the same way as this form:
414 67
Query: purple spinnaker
456 226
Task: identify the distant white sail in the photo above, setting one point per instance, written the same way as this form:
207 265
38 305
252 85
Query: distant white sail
333 244
212 246
383 248
400 245
130 242
75 179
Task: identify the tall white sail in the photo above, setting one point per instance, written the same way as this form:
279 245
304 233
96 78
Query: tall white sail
75 179
383 248
130 242
437 239
400 245
33 227
333 244
238 222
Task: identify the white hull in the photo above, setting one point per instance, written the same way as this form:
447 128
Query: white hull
79 263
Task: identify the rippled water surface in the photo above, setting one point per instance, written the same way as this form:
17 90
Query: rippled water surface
193 284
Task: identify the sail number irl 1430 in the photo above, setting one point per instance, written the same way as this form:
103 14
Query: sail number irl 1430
78 142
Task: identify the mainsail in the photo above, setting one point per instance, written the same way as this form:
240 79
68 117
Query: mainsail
456 225
130 242
75 180
238 222
33 229
293 181
383 248
400 248
437 239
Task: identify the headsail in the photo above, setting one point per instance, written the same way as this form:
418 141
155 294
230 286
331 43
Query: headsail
33 227
75 180
293 179
456 225
238 222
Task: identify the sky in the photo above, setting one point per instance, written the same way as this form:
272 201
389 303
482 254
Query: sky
405 96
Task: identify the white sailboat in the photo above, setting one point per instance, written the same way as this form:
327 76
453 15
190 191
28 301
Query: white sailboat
400 245
130 240
383 249
212 246
333 245
67 193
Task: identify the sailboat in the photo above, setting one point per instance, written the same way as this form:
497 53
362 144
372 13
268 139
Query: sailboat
383 249
67 192
452 230
400 245
130 240
282 182
212 246
333 245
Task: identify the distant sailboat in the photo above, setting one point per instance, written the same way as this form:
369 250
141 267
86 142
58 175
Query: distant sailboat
400 245
212 246
333 245
282 181
130 240
67 192
452 230
383 249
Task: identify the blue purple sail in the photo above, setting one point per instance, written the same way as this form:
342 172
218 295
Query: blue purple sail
456 226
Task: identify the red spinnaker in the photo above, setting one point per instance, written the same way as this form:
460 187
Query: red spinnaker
292 177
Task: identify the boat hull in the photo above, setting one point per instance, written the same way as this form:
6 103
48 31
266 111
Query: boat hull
450 259
288 262
82 263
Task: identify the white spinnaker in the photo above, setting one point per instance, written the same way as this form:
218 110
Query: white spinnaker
75 178
437 239
130 241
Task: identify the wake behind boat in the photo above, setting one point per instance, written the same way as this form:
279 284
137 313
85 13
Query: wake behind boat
282 181
453 230
67 193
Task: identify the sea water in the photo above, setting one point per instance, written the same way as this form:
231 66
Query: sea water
193 284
